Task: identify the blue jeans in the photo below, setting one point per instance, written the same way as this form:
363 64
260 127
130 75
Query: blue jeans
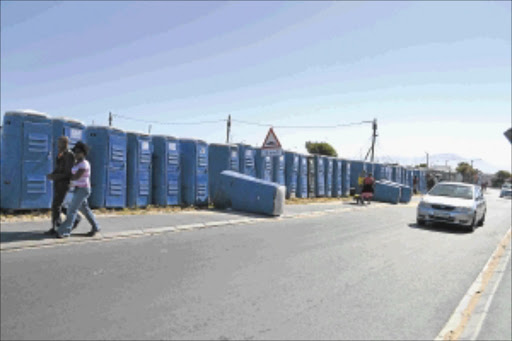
78 202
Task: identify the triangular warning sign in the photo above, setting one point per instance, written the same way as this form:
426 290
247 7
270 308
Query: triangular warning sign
271 141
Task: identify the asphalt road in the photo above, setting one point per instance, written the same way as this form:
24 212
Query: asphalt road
364 274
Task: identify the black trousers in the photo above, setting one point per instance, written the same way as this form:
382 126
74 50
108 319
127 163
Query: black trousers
59 193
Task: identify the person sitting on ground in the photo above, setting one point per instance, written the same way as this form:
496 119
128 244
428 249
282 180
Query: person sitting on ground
359 189
368 188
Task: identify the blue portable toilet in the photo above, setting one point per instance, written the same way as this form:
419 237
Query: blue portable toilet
302 178
345 175
263 163
194 175
26 160
292 173
406 193
279 166
139 170
337 186
320 175
311 177
245 193
166 187
221 157
379 172
108 159
423 181
328 174
396 174
387 191
63 126
246 156
356 167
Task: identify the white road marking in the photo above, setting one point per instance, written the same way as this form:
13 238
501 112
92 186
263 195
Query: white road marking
462 314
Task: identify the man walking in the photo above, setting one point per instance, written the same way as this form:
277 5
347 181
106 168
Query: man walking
61 177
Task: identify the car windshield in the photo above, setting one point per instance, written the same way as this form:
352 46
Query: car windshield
507 186
454 191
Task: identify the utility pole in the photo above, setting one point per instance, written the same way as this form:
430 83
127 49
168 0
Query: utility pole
228 129
110 119
374 137
149 129
427 159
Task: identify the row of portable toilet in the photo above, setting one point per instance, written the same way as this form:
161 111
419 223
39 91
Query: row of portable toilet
396 174
135 169
127 168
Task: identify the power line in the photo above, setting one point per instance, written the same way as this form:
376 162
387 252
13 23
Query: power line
166 123
332 126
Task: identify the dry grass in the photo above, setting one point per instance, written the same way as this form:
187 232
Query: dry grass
41 215
305 201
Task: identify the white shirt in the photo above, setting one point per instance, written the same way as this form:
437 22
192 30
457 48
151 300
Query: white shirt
84 180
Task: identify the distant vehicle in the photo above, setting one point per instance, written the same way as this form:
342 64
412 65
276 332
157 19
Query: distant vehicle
453 203
506 190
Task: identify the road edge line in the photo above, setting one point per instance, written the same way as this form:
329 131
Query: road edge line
455 325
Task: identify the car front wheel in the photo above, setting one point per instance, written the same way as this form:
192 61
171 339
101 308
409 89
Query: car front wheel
471 227
481 221
420 222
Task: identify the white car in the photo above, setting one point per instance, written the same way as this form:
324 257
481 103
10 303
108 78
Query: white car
453 203
506 190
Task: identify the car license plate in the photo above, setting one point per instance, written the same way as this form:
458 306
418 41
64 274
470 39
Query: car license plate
442 215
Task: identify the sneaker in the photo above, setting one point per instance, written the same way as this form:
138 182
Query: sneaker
92 233
51 232
61 236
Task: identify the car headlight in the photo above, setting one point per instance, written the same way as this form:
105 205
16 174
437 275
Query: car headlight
466 209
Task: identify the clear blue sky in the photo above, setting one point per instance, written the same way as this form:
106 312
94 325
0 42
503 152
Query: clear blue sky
436 75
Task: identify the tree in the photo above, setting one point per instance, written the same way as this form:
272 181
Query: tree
421 165
500 177
468 172
322 148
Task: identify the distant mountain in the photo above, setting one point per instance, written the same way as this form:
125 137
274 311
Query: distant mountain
444 159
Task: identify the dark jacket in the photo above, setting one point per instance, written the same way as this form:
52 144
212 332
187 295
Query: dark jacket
62 172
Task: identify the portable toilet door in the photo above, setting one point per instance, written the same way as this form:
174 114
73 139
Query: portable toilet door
302 178
246 156
166 179
328 171
311 177
397 174
345 174
26 160
62 126
336 179
194 175
356 167
291 174
279 166
319 176
139 171
221 157
263 166
107 157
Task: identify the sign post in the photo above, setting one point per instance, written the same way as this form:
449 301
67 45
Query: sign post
271 146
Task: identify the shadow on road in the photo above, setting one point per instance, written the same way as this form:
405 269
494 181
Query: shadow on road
15 236
441 228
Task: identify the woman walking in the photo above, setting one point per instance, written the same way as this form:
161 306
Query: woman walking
81 190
